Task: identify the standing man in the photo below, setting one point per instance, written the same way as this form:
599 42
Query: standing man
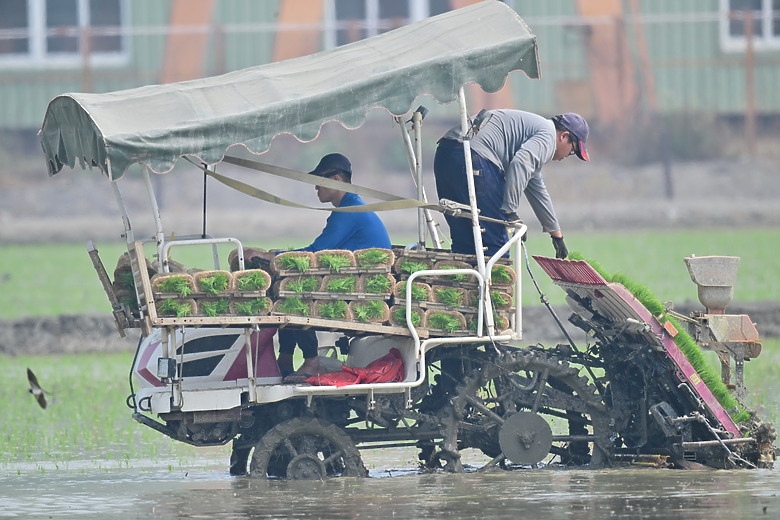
343 230
508 150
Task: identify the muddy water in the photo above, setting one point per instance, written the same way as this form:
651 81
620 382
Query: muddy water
204 489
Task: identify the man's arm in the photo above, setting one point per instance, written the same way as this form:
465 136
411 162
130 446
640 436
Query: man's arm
540 202
542 206
525 164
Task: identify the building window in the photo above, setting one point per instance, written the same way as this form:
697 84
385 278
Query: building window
348 21
765 25
52 32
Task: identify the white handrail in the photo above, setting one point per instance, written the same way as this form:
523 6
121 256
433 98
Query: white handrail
513 240
201 241
441 272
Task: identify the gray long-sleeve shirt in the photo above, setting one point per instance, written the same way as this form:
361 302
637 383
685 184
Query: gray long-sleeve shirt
520 143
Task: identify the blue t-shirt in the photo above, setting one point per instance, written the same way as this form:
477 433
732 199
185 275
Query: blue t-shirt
351 231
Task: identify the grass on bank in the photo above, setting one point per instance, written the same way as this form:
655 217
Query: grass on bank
56 279
86 421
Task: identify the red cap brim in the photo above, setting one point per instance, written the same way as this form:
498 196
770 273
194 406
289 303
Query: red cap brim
582 152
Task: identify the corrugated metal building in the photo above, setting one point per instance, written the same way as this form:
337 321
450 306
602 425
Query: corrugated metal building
607 59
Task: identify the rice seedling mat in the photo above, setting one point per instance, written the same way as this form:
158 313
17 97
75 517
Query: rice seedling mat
398 316
251 282
275 319
497 315
431 320
251 306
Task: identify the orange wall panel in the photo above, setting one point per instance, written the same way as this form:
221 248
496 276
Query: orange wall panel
299 42
185 51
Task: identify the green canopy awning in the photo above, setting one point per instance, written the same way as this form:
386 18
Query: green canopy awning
157 124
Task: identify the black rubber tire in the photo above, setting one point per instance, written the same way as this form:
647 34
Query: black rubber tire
311 441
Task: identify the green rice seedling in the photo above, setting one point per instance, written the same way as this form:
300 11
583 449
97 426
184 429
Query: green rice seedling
302 285
252 281
371 257
419 293
171 307
498 299
500 274
378 284
300 263
399 316
124 279
335 309
449 296
294 305
369 311
252 307
176 284
441 321
215 283
576 255
215 308
499 321
410 266
334 261
453 277
686 343
344 284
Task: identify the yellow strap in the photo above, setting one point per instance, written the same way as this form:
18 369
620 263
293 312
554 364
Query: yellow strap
392 202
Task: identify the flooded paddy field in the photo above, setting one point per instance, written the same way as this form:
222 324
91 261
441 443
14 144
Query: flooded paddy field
202 488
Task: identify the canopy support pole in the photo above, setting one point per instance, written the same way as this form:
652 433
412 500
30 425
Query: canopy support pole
417 120
159 235
465 128
415 168
120 202
205 177
416 126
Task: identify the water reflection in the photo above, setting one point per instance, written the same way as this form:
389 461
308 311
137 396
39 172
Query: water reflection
550 494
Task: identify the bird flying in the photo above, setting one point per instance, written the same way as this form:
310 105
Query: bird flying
35 389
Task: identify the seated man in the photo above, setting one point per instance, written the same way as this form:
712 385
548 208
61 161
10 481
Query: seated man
343 230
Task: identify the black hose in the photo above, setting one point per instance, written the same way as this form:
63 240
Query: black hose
130 378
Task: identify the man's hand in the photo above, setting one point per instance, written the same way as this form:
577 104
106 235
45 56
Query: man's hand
512 220
560 247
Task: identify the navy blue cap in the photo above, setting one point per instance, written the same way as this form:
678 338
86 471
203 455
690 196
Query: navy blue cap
578 127
332 164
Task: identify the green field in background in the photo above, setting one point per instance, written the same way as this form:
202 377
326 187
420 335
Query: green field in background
57 279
